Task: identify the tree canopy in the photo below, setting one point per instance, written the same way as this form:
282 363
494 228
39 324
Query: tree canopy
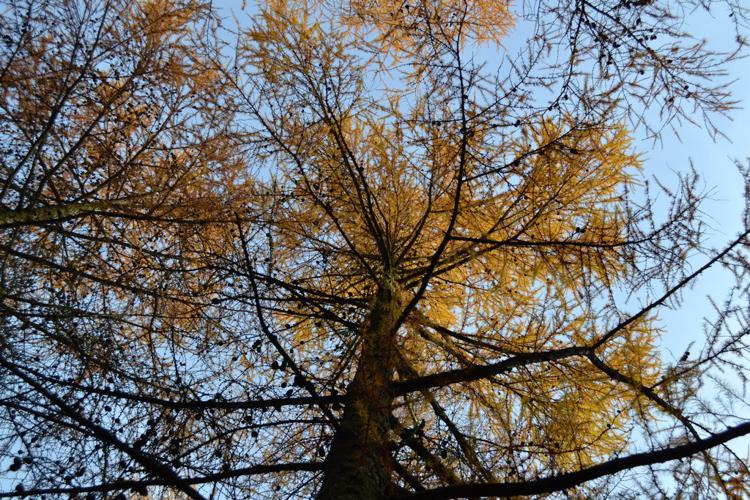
350 249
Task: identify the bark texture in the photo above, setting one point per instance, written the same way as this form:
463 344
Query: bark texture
31 216
359 463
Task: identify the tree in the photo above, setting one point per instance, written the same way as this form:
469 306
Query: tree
327 253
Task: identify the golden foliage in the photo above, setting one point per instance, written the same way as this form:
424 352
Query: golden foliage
243 219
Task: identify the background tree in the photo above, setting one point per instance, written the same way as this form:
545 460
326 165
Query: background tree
329 253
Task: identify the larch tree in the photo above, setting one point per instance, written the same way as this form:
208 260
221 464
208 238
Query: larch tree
359 250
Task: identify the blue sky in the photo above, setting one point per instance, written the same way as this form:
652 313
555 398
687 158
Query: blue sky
714 158
715 161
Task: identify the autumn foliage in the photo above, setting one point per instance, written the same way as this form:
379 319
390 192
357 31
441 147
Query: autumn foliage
329 250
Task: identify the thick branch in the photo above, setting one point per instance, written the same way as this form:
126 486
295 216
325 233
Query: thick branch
572 479
483 371
124 485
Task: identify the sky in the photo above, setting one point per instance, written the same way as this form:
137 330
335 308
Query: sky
714 158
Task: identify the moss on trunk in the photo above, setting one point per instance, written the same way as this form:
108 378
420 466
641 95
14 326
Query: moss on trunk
359 463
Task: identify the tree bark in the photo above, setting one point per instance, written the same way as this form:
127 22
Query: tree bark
359 464
40 215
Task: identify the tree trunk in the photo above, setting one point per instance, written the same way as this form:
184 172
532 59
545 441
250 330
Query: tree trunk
359 463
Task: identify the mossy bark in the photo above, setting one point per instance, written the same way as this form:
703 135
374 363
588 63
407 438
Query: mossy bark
54 213
359 463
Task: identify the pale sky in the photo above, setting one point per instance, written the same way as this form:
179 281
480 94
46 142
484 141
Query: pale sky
714 159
